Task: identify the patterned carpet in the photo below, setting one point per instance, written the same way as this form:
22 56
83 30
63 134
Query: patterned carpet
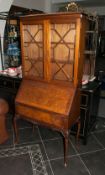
22 161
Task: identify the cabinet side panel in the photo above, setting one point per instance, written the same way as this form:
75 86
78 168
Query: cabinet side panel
79 49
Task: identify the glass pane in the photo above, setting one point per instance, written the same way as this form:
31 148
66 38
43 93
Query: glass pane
33 50
62 51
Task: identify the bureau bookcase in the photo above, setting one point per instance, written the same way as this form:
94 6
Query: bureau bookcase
52 47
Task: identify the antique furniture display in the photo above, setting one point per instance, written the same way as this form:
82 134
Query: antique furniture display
12 43
52 60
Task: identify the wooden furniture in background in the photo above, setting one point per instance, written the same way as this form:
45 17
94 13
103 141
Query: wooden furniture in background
52 61
3 111
90 96
8 89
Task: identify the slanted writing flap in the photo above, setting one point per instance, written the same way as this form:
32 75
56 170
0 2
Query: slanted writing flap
46 96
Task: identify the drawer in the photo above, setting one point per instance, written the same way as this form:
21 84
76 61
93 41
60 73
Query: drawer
84 100
40 116
6 83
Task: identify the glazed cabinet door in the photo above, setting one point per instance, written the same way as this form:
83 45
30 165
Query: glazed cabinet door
32 49
51 48
63 38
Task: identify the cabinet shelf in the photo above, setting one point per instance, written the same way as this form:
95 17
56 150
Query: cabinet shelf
91 31
12 44
13 37
90 52
91 35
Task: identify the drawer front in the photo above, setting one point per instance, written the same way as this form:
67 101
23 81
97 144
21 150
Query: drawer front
6 83
84 100
38 116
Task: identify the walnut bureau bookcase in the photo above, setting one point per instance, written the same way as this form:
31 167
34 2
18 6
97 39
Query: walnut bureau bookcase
52 61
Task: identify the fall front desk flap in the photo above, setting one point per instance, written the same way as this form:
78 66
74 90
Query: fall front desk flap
52 97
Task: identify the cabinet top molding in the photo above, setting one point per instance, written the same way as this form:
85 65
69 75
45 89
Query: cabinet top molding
54 15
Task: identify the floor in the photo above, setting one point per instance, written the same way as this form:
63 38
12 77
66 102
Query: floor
82 159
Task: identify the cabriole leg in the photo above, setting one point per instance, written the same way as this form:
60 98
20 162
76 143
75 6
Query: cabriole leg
66 141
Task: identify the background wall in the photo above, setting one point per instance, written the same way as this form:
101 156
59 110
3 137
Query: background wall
100 10
43 5
5 5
